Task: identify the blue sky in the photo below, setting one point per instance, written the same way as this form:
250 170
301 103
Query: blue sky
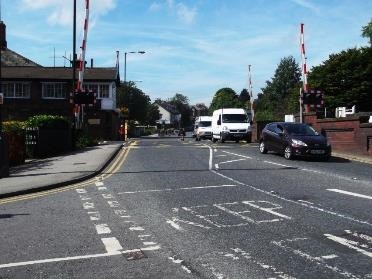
193 47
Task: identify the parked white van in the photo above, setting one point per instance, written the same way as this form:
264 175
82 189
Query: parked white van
203 128
231 124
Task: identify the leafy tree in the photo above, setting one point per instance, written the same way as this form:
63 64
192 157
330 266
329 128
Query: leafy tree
134 103
225 98
245 98
181 102
367 32
273 103
345 79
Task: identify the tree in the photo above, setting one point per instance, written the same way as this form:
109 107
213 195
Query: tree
273 103
225 98
245 98
181 102
345 79
134 103
367 32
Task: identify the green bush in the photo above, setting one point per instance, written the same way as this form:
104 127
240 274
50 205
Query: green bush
48 121
85 141
16 127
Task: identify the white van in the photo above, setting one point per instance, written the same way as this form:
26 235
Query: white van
231 124
203 128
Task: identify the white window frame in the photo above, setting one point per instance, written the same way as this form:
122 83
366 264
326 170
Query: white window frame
100 87
23 88
56 90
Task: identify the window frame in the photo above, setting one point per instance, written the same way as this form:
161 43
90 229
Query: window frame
63 90
24 93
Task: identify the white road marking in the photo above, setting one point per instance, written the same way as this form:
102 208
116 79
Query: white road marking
151 248
60 259
247 256
220 155
112 244
136 228
98 184
102 188
148 243
103 229
88 205
84 197
360 235
305 201
279 164
113 204
107 196
94 216
348 243
317 260
267 209
234 160
179 189
329 257
350 193
81 190
294 202
237 155
174 225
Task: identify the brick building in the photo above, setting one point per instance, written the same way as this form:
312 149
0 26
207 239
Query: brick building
30 89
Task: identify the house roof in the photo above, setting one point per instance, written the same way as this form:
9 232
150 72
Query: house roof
169 107
57 73
11 58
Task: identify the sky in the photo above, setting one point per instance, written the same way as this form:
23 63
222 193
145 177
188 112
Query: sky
192 47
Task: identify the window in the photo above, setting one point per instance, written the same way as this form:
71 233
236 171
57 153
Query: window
16 90
102 90
54 90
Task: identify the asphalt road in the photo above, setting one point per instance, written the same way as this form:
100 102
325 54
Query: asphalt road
184 209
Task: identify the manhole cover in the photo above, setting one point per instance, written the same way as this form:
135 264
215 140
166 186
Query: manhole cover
135 255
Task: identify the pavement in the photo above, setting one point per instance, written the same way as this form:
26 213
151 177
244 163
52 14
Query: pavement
48 173
43 174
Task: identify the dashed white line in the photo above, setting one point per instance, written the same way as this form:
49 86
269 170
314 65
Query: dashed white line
350 193
103 229
234 160
348 243
111 244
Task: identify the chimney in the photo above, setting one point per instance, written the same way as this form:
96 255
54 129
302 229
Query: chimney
91 63
3 44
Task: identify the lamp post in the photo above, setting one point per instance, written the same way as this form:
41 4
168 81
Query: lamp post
125 63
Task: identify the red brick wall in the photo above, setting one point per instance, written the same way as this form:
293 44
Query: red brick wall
351 134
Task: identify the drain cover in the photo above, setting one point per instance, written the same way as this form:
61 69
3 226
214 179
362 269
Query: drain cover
135 255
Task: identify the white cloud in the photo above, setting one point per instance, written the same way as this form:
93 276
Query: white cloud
306 4
154 7
185 13
61 12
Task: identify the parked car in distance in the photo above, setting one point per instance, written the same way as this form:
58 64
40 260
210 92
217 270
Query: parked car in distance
294 139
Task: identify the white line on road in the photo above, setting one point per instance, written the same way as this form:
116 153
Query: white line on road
348 243
237 155
103 229
112 244
234 160
182 189
98 184
350 193
279 164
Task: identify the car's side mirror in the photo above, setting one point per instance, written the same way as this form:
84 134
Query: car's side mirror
218 122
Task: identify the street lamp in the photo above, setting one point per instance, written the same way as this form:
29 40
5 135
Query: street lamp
125 63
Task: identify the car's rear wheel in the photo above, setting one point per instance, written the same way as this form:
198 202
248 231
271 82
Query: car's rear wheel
263 149
288 153
214 140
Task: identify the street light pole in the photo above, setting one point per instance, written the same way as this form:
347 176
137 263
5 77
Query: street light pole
125 63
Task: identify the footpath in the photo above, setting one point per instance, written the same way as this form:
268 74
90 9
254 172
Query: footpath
48 173
43 174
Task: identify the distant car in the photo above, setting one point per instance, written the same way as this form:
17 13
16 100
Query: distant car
294 139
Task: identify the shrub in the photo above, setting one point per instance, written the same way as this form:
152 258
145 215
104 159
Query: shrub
85 141
48 121
16 127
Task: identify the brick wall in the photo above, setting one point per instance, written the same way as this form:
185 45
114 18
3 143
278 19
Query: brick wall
351 135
